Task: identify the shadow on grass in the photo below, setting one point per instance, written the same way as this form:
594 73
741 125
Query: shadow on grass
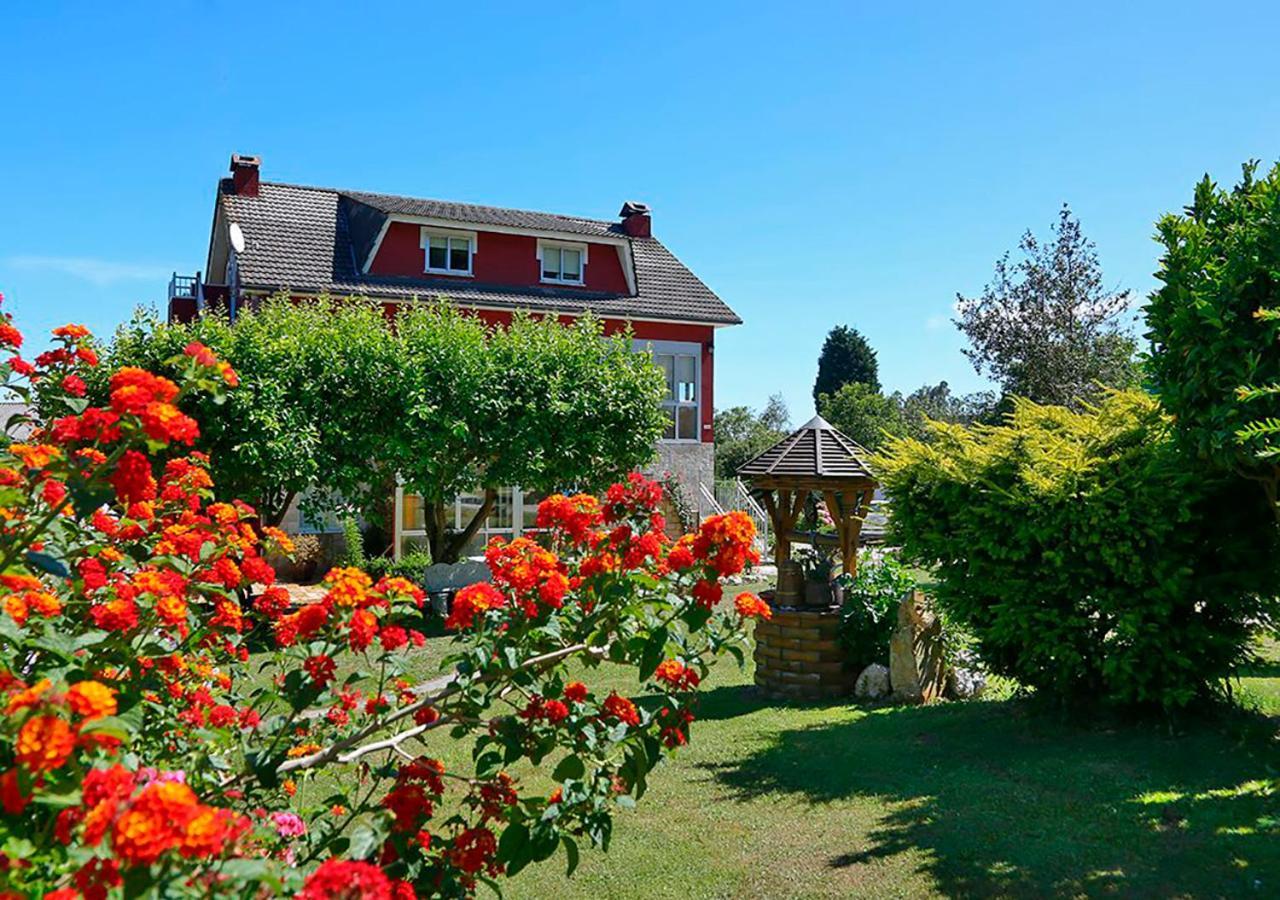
1007 802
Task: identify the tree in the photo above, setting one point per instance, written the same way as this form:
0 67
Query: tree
742 434
1213 326
139 758
1045 327
846 358
935 402
863 413
537 404
1088 555
318 381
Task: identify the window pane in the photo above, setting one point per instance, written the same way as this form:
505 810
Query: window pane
550 262
670 432
438 255
529 504
501 515
460 254
412 514
571 261
667 363
688 423
686 370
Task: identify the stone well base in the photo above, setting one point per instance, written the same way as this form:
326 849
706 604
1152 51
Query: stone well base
798 655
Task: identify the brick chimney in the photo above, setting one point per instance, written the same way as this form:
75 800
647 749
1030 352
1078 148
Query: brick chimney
635 219
244 174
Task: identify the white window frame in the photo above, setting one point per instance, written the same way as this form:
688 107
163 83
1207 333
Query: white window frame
449 234
680 348
461 518
563 245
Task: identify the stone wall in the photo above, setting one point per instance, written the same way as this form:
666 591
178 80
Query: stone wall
798 655
691 463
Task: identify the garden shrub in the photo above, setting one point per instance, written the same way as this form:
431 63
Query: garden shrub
412 565
1088 557
869 612
142 754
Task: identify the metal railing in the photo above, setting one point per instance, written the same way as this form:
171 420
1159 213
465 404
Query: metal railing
731 493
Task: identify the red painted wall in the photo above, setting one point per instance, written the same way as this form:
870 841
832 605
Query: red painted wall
655 331
510 259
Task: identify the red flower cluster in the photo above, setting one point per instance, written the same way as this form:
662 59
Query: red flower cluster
471 602
749 606
620 708
533 575
341 879
575 517
679 676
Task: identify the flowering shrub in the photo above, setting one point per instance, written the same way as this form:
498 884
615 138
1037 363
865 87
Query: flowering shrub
138 752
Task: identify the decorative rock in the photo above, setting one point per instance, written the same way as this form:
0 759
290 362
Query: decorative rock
873 683
917 669
966 684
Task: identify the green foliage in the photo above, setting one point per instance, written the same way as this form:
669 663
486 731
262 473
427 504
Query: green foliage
846 358
352 543
936 402
412 566
538 404
1047 327
310 410
863 413
869 612
1213 324
742 434
1086 555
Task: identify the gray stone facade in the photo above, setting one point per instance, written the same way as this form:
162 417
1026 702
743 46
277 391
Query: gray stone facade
692 463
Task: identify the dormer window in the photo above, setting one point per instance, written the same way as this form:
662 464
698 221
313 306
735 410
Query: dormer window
448 252
562 263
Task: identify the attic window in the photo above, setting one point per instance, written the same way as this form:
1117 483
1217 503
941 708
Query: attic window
562 263
448 252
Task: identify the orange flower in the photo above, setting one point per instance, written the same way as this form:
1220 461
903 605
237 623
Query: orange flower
156 821
92 699
35 456
28 697
749 606
44 743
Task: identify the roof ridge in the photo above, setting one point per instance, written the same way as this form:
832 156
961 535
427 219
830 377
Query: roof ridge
355 192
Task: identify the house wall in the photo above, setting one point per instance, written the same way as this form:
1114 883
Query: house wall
507 259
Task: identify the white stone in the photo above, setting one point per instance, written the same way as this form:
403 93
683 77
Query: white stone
873 683
966 684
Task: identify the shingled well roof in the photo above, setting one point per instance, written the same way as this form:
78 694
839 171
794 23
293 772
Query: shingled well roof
313 240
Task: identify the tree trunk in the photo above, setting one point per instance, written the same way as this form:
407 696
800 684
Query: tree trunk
447 548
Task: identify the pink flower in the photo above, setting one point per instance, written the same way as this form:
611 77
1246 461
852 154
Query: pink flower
288 825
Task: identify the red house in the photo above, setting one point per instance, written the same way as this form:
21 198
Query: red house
269 237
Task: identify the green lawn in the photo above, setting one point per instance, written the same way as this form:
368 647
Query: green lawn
961 799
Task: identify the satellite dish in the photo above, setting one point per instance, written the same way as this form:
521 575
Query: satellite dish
237 237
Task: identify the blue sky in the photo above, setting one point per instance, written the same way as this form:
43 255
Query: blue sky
815 164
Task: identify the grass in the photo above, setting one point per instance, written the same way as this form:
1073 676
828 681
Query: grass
986 798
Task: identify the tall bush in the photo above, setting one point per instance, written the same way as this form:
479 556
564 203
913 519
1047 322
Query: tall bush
141 755
1214 326
1089 558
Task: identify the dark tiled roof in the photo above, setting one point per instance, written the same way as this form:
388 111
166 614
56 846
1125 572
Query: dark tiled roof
316 239
815 450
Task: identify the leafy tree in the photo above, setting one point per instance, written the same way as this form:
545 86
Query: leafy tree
1088 555
863 413
1213 325
741 434
936 402
846 358
312 406
536 404
1045 327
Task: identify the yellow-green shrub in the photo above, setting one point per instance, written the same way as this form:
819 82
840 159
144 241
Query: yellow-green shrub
1089 558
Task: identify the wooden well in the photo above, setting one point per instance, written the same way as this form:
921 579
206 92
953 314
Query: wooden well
798 653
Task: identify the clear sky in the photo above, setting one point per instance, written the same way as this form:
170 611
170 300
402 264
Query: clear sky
814 164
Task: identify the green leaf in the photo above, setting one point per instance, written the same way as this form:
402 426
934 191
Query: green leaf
569 767
571 851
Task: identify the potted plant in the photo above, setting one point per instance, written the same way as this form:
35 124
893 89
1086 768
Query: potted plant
818 565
